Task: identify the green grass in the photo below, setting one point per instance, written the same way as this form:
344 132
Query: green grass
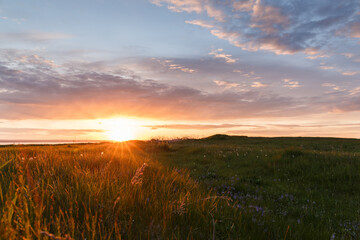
310 185
215 188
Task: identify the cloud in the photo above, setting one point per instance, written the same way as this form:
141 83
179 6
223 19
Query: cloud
355 91
282 27
258 85
181 5
170 65
219 53
349 73
49 132
225 84
348 55
332 86
268 19
291 84
32 90
80 93
215 12
327 67
355 30
33 36
245 6
196 126
341 71
316 55
201 23
37 60
197 6
15 20
351 30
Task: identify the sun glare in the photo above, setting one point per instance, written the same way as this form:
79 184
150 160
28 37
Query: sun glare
121 130
121 135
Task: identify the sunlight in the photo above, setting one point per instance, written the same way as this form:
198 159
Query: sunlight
120 130
121 134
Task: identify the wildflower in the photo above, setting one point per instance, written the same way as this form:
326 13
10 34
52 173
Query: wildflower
180 205
102 153
332 236
116 201
52 236
180 208
30 159
138 177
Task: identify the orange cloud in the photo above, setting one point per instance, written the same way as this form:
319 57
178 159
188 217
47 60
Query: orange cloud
226 84
200 23
267 18
258 85
291 84
219 53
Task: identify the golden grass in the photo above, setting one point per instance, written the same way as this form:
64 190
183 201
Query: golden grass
102 191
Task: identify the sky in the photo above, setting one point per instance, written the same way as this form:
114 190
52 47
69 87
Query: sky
141 69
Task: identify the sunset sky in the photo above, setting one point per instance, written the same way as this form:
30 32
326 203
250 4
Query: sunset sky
98 69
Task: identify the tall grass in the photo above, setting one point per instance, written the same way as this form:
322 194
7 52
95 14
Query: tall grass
85 191
221 187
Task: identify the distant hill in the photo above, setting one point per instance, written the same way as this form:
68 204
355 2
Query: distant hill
223 137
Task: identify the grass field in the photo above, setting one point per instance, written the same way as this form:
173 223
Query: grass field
220 187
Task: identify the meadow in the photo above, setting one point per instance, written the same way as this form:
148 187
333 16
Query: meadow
219 187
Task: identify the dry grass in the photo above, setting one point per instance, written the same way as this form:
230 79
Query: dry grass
102 191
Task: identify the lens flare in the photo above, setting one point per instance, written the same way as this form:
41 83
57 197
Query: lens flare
121 130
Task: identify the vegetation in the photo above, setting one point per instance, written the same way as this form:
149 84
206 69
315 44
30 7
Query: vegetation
220 187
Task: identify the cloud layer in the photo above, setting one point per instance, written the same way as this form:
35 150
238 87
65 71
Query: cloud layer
282 27
34 87
33 37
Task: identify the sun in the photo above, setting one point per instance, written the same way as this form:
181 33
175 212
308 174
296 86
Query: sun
121 130
121 135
